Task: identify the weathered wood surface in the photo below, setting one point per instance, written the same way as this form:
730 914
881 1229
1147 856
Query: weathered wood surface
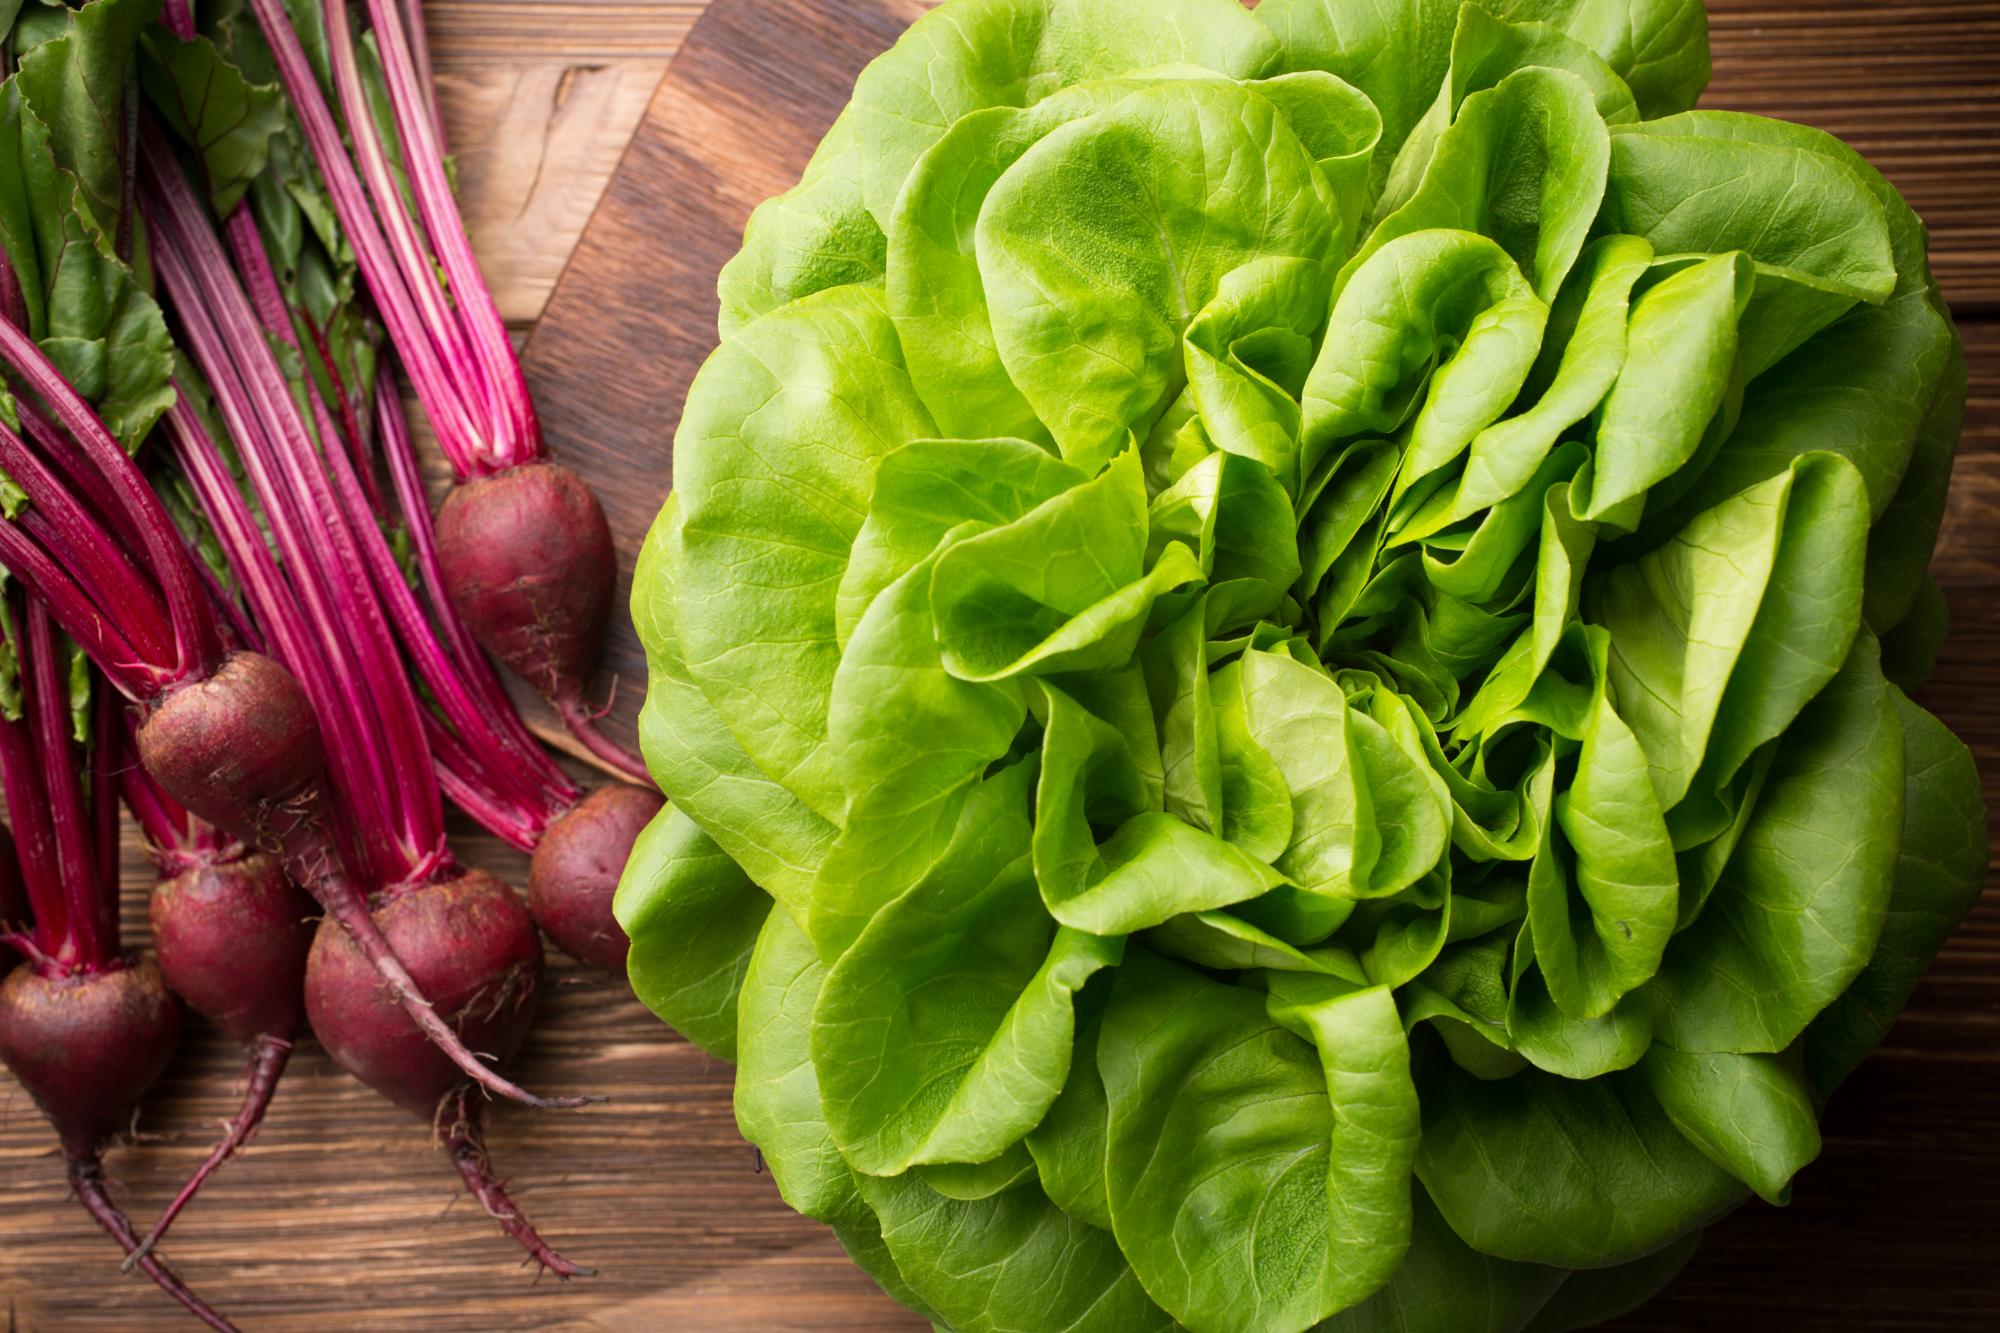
342 1212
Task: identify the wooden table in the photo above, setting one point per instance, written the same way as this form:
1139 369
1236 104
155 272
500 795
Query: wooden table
342 1213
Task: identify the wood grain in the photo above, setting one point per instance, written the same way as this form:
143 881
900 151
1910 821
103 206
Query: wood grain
540 98
342 1213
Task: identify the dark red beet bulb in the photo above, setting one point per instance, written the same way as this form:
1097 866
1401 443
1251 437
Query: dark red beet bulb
574 874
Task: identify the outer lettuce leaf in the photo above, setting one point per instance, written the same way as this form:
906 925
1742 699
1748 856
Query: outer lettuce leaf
775 461
986 53
1800 904
1575 1174
1596 1296
778 1104
944 1033
816 235
1253 1184
1940 869
763 827
1014 1263
693 917
1446 1284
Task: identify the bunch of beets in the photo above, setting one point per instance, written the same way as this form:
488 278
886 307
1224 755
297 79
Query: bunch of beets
227 605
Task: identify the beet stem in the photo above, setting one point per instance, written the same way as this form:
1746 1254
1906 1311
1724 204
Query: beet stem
376 748
517 434
582 724
178 18
393 299
89 925
465 1140
198 648
86 1177
352 914
268 1058
79 615
63 525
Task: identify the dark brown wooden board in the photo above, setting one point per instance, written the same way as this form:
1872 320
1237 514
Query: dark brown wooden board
342 1215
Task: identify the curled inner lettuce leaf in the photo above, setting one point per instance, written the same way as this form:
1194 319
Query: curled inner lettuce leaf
1270 659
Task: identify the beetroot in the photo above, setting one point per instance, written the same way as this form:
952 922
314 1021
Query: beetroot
240 749
87 1045
529 563
472 947
232 932
528 557
574 874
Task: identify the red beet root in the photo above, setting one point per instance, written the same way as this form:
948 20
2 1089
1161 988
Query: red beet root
240 750
86 1046
473 949
574 874
528 559
232 936
528 555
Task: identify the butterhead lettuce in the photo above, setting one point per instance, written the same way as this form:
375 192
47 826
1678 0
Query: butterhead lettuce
1279 653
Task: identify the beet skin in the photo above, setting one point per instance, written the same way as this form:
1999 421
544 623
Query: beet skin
240 750
471 947
528 559
574 875
87 1046
232 937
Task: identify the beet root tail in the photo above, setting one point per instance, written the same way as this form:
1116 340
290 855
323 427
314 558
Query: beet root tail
353 916
267 1065
582 724
86 1177
463 1120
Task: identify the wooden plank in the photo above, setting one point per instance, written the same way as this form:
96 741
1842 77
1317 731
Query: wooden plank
540 98
467 33
536 143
